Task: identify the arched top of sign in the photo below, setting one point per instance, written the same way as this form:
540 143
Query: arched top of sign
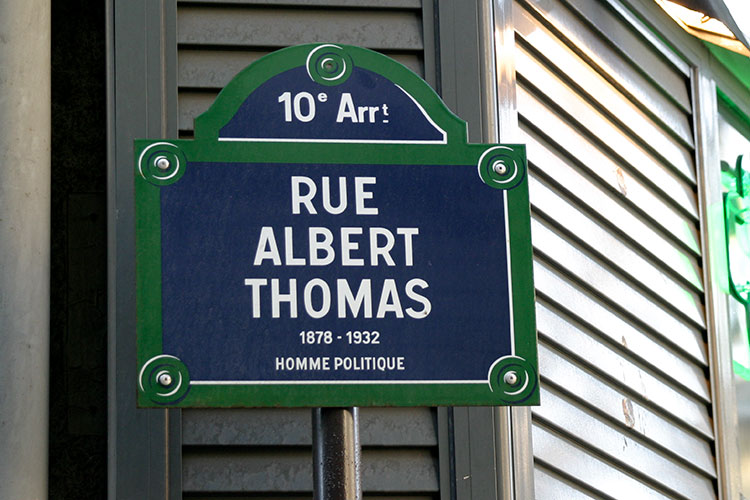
329 93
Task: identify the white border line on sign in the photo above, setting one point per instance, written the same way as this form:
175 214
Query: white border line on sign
442 132
432 382
331 382
333 141
510 276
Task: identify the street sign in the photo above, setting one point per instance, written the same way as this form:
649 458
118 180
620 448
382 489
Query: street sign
329 238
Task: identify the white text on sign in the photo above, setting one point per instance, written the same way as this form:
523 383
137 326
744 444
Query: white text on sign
301 107
347 246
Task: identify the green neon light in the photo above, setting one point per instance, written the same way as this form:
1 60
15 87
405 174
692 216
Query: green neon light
741 370
736 181
737 228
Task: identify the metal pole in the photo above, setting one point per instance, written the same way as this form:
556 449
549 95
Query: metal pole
336 454
25 107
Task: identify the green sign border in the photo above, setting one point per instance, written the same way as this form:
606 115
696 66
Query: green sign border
164 381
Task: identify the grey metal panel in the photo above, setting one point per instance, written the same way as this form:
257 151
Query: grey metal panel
733 132
402 427
513 429
572 460
460 64
568 176
269 496
649 36
290 470
605 112
685 432
398 427
446 455
660 188
613 365
213 69
143 459
374 4
632 38
615 251
429 42
621 449
411 470
551 486
477 474
588 311
673 206
594 121
270 27
192 104
241 470
629 62
721 367
614 169
610 287
692 50
218 40
641 311
661 114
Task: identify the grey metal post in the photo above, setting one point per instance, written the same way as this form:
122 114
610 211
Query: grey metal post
25 103
513 436
144 445
336 454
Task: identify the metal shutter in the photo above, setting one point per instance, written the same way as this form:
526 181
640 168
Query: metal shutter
606 112
267 452
217 39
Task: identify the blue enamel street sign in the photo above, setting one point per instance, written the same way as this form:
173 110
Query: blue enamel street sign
329 238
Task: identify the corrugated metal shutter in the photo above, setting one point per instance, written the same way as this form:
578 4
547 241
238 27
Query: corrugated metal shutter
267 452
217 39
606 112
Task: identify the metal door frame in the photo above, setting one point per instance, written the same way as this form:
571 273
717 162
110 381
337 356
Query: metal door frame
143 445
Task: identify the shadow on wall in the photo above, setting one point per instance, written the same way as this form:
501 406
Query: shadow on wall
78 320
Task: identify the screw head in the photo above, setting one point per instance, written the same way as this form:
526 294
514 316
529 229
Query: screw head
499 168
162 163
510 378
164 379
